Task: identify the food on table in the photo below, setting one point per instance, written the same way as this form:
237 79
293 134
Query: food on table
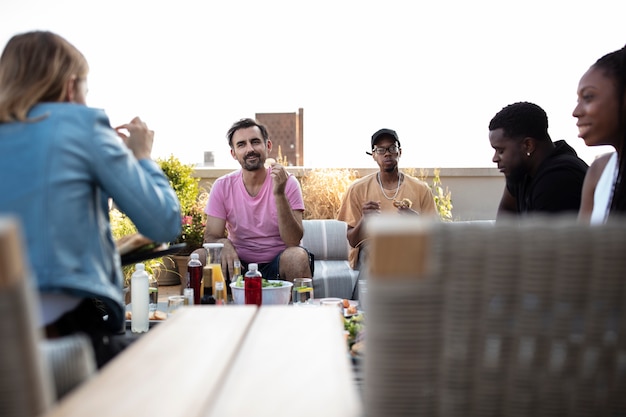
349 309
355 328
404 203
154 315
158 315
136 241
264 283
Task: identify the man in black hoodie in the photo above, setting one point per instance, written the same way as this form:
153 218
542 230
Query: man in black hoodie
541 175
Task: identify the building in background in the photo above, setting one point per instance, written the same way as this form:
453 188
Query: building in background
286 133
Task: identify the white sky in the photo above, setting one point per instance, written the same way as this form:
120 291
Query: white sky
436 72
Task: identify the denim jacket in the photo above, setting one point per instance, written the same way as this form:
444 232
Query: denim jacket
57 172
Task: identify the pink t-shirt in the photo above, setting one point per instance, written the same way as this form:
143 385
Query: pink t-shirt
251 222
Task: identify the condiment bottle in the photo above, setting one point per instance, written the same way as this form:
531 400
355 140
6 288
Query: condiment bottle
253 285
194 276
139 298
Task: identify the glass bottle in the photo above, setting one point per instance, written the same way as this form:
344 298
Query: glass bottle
207 284
153 290
235 276
215 262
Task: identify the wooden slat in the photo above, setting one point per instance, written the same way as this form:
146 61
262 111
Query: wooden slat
171 371
294 362
12 269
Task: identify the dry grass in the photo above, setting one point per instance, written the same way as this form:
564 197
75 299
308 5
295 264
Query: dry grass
323 190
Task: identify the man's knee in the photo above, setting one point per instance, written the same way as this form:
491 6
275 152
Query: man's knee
295 261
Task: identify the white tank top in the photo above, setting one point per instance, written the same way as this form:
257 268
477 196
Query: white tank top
604 191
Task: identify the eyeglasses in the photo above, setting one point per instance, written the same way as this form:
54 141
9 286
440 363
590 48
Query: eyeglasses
393 149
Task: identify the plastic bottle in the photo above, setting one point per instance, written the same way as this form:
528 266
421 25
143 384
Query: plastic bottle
253 285
139 298
194 276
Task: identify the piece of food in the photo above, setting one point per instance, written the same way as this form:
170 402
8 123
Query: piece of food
269 162
404 203
351 310
130 243
158 315
346 303
154 315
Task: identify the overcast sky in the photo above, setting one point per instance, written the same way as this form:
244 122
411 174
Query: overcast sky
436 73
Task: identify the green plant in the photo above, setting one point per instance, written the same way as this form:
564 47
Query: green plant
443 199
186 186
192 202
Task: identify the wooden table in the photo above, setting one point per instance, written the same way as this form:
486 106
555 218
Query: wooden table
227 361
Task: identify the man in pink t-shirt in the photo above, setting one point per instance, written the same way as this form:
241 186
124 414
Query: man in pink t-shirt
260 207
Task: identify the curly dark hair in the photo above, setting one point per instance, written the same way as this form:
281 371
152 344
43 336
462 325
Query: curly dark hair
613 66
520 120
244 124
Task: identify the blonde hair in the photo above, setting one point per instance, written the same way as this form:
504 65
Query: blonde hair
36 67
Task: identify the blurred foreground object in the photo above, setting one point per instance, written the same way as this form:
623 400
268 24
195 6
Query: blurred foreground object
513 319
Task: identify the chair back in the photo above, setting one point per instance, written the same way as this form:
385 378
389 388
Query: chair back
26 386
508 320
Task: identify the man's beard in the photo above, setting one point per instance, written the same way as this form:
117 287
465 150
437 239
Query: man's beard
391 168
249 166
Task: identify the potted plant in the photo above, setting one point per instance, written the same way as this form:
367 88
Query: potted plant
192 203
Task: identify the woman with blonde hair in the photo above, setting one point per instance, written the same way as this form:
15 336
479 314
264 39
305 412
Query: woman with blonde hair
60 162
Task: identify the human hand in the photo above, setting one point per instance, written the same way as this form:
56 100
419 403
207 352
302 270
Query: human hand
279 177
229 256
371 207
140 138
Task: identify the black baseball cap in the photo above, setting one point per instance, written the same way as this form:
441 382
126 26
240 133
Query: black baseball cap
384 132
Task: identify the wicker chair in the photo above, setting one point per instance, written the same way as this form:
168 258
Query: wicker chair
511 320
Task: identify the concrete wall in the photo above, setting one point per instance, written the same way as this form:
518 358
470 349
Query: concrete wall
475 192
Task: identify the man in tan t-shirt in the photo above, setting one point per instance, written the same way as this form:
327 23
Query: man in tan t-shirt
386 190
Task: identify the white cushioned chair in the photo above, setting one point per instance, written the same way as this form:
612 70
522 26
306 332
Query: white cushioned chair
327 240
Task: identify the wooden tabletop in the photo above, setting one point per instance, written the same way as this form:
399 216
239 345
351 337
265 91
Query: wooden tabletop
227 361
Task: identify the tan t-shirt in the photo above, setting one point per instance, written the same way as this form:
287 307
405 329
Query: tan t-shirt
368 189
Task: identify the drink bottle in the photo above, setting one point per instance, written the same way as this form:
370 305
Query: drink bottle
194 276
139 298
253 285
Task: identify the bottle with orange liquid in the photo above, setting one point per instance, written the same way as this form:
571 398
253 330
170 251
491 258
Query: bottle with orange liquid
215 263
